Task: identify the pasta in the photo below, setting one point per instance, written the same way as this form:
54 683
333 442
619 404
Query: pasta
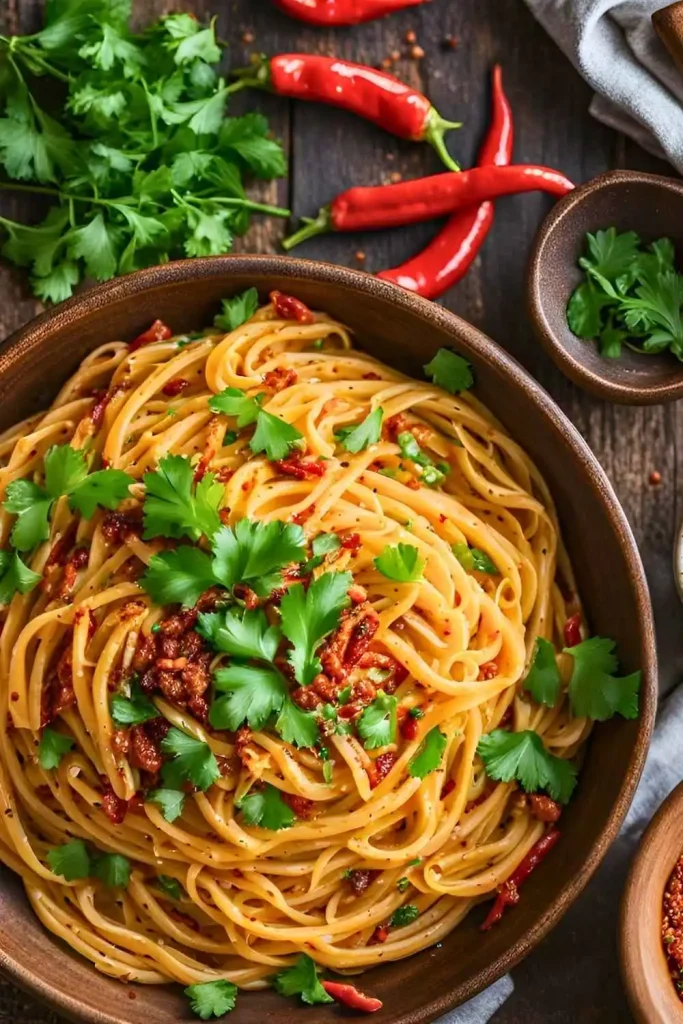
390 827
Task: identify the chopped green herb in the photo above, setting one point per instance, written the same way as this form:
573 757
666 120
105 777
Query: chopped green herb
429 754
266 808
170 801
403 884
170 887
309 615
175 506
15 577
543 681
212 998
377 724
401 563
358 438
594 691
404 915
193 761
71 861
302 980
53 747
237 310
450 371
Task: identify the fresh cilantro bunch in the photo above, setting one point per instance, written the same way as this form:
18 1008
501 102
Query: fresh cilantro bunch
135 147
632 295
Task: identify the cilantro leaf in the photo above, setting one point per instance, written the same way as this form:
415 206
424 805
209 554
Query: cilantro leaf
233 402
543 680
235 311
657 307
65 469
377 724
111 868
170 801
170 886
193 760
106 488
15 577
266 808
71 861
247 137
53 746
175 507
429 754
522 756
254 552
274 437
450 371
404 915
401 563
309 615
252 695
610 255
178 577
358 438
296 726
242 633
594 691
31 504
302 980
133 710
585 310
474 560
212 998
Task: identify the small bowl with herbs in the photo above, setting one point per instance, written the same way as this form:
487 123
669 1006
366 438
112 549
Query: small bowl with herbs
605 287
651 924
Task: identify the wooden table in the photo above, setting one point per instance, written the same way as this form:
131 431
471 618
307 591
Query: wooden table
329 151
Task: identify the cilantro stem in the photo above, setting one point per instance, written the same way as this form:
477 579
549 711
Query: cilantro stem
44 190
247 204
18 46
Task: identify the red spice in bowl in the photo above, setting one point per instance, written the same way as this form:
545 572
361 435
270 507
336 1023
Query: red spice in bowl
672 926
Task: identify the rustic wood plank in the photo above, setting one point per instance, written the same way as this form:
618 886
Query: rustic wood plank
330 151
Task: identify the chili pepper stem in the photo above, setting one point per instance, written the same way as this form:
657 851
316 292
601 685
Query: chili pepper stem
256 75
319 226
435 131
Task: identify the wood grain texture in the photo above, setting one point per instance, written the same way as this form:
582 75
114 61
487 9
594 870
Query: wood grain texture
331 150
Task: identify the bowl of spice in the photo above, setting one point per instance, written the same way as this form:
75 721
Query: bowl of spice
605 288
651 925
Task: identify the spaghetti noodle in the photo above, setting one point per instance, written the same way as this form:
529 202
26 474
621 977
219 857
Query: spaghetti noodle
389 828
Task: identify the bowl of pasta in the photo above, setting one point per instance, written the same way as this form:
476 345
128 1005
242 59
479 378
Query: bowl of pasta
326 650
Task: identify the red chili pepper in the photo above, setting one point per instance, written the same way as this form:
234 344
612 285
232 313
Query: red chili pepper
157 332
508 893
572 631
290 308
342 12
389 206
348 995
372 94
450 255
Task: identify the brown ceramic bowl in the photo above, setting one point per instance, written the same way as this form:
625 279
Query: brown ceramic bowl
651 206
405 331
644 969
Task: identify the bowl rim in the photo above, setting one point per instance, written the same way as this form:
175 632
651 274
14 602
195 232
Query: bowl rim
594 382
183 272
647 1000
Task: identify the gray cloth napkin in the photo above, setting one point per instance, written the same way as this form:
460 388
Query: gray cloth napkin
639 90
588 932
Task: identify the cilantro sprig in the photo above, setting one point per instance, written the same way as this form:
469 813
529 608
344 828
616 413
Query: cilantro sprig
236 310
377 724
66 473
474 560
309 615
136 150
522 756
595 691
632 295
192 761
429 754
266 808
176 506
73 860
302 980
358 438
450 371
212 998
431 475
273 436
53 746
15 576
402 563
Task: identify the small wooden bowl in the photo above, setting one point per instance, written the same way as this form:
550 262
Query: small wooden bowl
644 969
651 206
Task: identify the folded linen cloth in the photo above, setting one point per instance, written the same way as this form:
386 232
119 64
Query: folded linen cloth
639 89
574 973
